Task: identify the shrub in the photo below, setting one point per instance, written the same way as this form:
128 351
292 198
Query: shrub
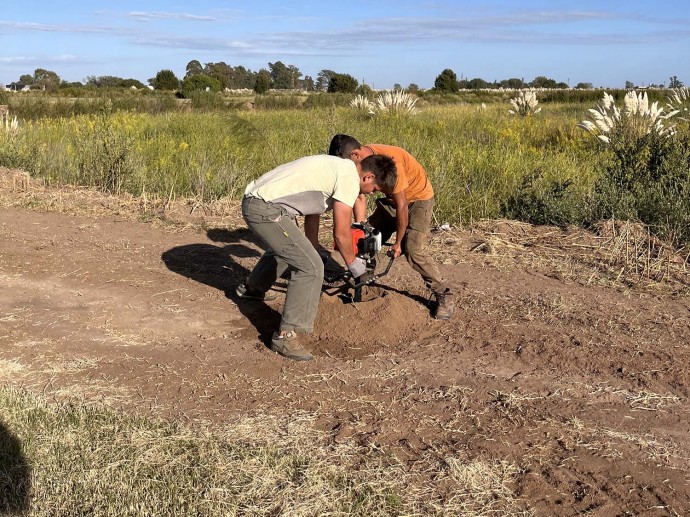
647 177
396 102
364 90
525 104
327 100
35 106
637 119
278 101
447 82
679 101
342 83
203 100
579 96
165 80
104 158
360 102
263 82
9 142
201 82
538 201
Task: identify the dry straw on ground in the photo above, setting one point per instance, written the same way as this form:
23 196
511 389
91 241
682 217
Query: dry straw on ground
613 252
96 461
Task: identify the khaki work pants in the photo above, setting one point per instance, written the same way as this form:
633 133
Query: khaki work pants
416 241
288 247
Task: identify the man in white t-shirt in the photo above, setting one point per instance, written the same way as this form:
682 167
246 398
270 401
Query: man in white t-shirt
306 187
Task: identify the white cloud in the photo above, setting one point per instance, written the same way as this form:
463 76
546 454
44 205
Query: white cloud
520 27
155 15
46 27
189 42
58 59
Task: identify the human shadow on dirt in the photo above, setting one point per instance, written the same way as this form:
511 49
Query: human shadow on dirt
417 298
217 267
15 475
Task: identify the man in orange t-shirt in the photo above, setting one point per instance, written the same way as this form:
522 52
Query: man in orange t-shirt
407 211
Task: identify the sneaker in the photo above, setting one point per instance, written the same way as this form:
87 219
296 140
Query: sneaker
247 293
444 305
288 346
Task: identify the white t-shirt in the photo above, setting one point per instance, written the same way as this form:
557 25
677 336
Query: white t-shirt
308 185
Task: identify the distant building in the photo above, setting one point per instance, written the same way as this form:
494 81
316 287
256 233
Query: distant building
17 87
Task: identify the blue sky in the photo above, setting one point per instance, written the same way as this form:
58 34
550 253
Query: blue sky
381 43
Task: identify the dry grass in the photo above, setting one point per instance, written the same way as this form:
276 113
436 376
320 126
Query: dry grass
10 367
639 254
483 487
89 460
573 433
457 394
642 400
103 391
73 365
615 253
663 452
18 190
649 401
513 401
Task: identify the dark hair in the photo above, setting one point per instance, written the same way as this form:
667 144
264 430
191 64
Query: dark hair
384 170
343 145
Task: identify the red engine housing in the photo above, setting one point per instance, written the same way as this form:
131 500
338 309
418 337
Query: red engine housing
357 234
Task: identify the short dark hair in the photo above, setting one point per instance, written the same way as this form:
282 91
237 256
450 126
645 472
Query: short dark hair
384 170
343 145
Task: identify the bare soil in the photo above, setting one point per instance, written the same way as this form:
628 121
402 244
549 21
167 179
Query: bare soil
568 355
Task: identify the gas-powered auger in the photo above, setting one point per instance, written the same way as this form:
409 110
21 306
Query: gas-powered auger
366 241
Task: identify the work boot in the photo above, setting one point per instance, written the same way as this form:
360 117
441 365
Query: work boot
288 346
249 293
444 304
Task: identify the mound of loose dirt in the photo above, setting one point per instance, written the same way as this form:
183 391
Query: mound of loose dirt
385 322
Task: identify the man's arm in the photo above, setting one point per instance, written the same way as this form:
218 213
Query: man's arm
311 229
402 216
360 208
342 217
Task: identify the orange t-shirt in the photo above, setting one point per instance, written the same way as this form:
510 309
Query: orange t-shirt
412 178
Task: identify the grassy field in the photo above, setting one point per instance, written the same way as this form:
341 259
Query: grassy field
483 161
476 158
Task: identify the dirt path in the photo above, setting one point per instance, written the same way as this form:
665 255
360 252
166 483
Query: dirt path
551 364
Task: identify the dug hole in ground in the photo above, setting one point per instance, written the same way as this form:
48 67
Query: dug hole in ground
567 359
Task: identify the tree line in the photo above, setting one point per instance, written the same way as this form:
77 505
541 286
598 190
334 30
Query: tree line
279 76
210 76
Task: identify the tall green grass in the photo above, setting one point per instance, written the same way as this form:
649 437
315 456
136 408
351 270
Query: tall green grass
476 158
38 105
483 162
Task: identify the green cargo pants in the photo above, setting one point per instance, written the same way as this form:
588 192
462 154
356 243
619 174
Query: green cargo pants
416 240
288 247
